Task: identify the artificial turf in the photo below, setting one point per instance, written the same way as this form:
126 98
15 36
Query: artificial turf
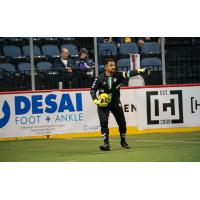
168 147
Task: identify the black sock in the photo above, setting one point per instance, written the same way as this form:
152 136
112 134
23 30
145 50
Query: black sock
123 137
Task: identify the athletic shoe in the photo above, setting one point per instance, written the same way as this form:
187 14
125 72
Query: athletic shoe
124 145
105 147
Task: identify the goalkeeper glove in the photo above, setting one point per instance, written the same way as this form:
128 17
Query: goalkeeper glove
100 104
144 70
97 102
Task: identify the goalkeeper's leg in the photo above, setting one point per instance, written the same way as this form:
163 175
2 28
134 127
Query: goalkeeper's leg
120 118
103 117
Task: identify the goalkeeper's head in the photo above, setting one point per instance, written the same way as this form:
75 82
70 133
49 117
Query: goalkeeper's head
104 99
110 66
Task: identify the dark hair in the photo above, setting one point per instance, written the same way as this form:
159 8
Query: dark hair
83 50
107 60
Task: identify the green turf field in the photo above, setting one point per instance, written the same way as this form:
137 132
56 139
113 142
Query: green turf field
145 147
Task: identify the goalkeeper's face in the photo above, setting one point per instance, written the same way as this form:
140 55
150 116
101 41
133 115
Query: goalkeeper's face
110 67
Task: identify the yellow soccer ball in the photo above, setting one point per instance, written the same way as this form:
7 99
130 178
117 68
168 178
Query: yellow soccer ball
104 99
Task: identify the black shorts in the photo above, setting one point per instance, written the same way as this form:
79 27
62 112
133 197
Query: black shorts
116 108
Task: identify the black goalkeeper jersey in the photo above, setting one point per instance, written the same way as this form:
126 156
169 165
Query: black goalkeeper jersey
110 84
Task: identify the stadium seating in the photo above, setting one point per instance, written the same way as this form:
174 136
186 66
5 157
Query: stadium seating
155 63
107 50
44 66
123 64
8 67
14 53
36 52
51 51
128 48
24 68
73 51
26 50
182 58
150 48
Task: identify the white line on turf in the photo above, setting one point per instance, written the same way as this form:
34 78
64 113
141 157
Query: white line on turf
136 140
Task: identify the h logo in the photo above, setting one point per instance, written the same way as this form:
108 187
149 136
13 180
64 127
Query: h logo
194 105
164 109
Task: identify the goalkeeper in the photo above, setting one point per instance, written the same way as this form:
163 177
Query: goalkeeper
108 85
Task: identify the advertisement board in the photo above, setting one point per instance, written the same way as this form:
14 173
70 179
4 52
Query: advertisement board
68 112
59 112
168 107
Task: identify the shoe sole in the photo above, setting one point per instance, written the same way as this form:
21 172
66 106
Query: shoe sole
102 149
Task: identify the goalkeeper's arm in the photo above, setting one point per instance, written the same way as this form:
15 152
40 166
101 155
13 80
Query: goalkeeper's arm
141 71
94 89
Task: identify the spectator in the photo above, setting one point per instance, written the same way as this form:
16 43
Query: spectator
125 40
108 39
114 40
86 67
64 64
141 41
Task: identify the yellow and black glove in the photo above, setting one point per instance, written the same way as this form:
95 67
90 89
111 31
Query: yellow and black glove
97 102
144 70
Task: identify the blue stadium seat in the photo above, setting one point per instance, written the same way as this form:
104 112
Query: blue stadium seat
50 50
36 53
73 51
126 48
12 51
150 48
24 68
26 50
13 54
151 62
106 50
123 64
44 66
8 67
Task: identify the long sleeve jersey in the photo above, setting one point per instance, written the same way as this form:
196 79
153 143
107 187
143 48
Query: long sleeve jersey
110 84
